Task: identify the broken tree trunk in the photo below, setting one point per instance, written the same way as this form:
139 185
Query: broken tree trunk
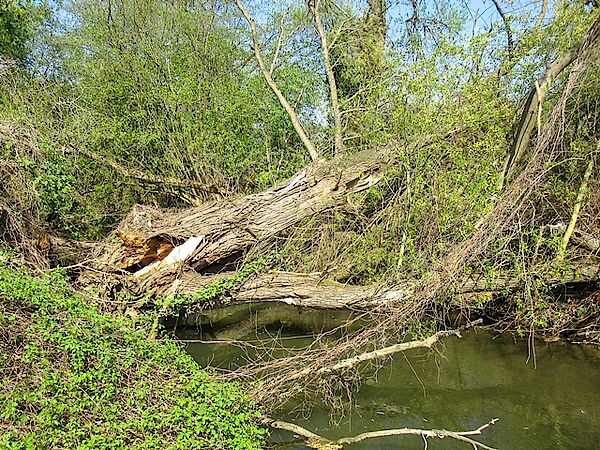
532 112
151 248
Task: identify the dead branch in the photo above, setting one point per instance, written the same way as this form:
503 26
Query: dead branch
529 117
333 94
145 177
319 442
388 351
343 365
275 88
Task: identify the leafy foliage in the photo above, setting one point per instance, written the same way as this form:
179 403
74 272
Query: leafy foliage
18 20
170 88
73 377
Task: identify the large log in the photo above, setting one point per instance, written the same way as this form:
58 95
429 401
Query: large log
311 291
229 226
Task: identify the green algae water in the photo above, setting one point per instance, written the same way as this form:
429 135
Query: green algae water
545 397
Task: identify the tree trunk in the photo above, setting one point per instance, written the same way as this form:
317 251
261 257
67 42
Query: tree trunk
153 248
333 91
309 290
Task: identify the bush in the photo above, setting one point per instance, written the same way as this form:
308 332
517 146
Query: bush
73 377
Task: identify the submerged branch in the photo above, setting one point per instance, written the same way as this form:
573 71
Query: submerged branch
316 441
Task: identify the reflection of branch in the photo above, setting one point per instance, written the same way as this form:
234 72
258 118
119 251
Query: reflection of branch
315 441
509 36
269 79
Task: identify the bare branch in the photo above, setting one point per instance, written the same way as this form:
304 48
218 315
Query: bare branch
273 85
542 15
537 95
376 354
388 351
279 43
509 37
333 94
317 441
144 177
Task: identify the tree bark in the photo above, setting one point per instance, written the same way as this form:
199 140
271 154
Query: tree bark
139 249
311 291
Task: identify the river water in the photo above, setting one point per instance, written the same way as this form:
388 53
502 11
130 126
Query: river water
547 397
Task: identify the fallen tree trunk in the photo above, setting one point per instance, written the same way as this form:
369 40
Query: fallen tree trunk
211 232
311 291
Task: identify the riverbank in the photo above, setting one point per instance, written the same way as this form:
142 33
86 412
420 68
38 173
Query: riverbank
81 372
76 377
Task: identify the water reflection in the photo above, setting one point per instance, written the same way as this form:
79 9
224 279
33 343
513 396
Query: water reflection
550 405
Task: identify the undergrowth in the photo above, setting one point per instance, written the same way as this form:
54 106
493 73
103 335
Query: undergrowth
73 377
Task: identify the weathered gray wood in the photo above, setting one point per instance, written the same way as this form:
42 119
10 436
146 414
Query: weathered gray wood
226 227
309 290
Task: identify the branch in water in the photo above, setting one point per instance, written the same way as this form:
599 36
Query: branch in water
315 441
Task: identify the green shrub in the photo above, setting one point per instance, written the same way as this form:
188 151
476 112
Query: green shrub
73 377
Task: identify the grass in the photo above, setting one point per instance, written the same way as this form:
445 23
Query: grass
74 377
